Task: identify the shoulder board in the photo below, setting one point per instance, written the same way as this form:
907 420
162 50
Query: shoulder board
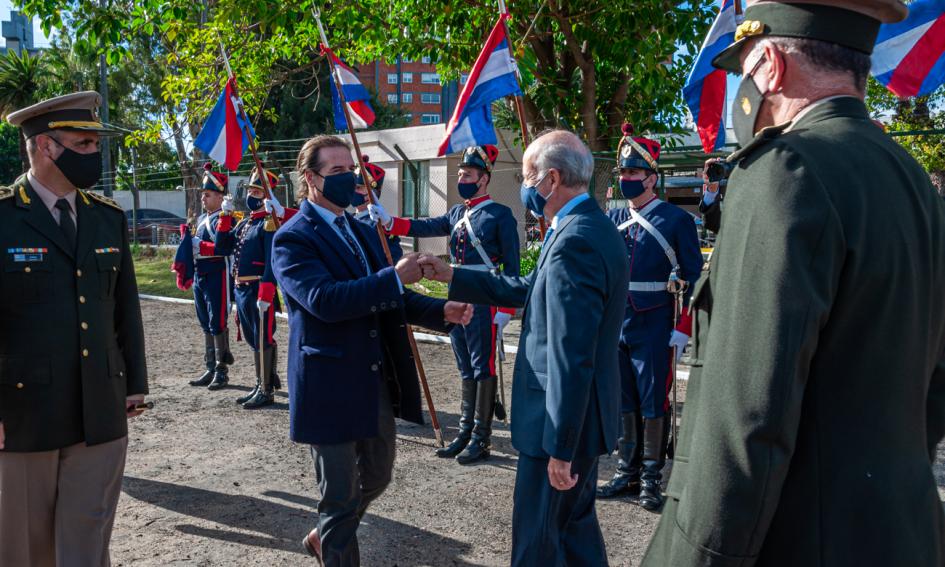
6 193
269 225
103 200
760 139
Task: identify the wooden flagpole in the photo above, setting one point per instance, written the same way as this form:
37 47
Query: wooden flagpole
381 233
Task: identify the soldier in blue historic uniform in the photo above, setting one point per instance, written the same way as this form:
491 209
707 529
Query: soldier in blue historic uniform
255 286
360 203
483 236
212 246
661 239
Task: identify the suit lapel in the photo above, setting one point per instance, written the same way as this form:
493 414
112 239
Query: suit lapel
328 235
369 243
42 220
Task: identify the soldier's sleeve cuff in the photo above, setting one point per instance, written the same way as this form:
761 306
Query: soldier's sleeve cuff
225 223
267 291
206 248
684 325
399 227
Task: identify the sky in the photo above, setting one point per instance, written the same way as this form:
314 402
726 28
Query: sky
39 40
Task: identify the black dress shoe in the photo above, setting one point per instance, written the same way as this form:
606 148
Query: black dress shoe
651 496
477 450
455 447
621 485
220 380
204 380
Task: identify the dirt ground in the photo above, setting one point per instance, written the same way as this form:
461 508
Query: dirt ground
208 483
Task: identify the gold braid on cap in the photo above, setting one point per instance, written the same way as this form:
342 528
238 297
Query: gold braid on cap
628 139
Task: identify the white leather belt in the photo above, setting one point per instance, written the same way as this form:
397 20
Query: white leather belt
474 267
647 286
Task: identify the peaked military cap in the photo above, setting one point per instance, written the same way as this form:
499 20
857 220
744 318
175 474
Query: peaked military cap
850 23
214 181
76 111
482 157
637 152
376 173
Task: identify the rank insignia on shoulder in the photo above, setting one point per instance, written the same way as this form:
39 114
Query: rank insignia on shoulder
103 200
107 250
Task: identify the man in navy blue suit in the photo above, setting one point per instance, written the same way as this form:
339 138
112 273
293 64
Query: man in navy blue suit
566 388
350 368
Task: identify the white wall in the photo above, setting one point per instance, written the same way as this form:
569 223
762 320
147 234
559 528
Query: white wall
170 201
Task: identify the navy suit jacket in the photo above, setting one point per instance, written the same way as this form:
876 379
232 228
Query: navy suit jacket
347 334
566 387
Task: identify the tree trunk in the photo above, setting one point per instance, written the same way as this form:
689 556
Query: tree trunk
189 177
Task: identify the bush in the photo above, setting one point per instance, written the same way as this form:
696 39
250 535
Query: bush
530 258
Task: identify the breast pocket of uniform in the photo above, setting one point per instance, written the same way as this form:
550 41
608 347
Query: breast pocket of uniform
109 265
27 277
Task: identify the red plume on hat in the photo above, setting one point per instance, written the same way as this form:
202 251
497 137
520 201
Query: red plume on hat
214 181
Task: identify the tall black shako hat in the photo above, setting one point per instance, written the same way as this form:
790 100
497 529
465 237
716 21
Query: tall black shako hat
482 157
375 172
637 152
214 181
76 111
850 23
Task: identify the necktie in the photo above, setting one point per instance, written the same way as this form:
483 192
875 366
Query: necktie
65 222
340 221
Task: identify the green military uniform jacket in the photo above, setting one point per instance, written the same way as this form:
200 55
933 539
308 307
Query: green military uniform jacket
71 339
817 394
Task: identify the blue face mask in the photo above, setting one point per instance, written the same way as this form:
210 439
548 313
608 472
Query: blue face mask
254 203
357 199
631 189
532 199
338 188
467 190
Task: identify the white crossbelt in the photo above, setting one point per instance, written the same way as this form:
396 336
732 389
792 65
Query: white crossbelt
471 234
476 267
637 218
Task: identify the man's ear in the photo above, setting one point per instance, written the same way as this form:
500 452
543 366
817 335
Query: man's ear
775 69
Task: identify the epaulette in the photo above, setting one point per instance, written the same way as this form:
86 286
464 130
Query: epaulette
6 193
760 139
104 200
269 225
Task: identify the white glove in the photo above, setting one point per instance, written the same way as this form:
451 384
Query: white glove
377 212
679 340
273 206
535 215
501 320
195 242
262 305
227 207
708 194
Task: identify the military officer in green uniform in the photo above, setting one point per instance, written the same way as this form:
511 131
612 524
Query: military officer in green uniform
817 395
72 365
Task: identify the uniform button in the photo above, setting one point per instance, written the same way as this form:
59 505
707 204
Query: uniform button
383 305
374 367
85 352
373 309
393 304
78 273
19 385
372 333
120 373
81 299
27 269
114 268
85 326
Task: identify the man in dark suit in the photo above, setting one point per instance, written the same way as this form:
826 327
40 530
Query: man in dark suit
817 394
350 368
566 391
72 363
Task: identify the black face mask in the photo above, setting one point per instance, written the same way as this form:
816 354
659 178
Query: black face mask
338 188
82 170
747 106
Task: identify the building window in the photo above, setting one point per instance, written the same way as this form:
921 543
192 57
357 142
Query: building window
425 59
430 98
406 60
409 118
406 77
392 98
429 118
430 78
392 78
463 77
416 193
407 98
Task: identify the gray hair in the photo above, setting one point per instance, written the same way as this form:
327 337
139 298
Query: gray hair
565 152
820 57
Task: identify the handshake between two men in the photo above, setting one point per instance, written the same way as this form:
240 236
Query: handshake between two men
412 267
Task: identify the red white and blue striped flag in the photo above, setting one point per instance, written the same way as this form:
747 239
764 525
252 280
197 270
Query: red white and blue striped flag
909 57
493 76
705 88
356 96
223 136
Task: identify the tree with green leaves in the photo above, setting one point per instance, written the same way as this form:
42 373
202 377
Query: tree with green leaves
21 77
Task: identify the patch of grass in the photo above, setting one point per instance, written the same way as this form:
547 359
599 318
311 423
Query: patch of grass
431 288
153 271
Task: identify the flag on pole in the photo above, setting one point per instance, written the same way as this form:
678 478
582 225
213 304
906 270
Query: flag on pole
909 57
705 88
356 96
493 76
223 136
